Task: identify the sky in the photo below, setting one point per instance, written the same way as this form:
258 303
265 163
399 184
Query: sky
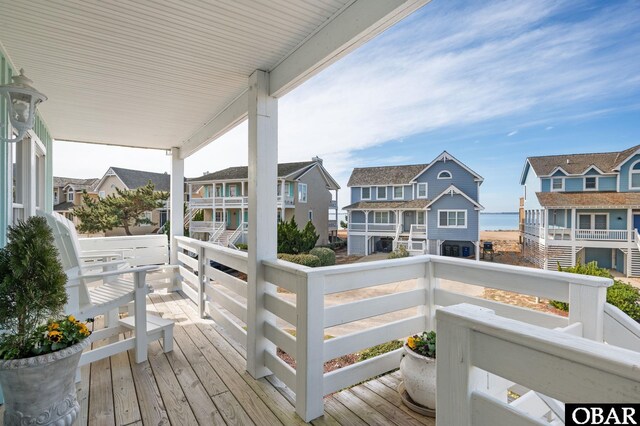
490 82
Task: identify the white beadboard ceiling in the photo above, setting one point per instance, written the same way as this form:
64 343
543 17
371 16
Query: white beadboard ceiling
150 74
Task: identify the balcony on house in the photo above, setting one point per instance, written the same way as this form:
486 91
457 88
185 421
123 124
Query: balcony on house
591 227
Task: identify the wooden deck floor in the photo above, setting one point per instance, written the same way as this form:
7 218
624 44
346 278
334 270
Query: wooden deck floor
203 382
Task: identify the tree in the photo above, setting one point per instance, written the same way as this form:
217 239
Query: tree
292 240
344 224
123 209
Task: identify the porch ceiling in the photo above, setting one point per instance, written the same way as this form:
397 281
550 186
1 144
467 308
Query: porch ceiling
153 74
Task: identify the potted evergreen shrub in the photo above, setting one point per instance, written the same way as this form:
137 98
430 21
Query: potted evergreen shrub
418 369
40 347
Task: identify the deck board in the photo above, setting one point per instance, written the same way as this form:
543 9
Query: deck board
203 381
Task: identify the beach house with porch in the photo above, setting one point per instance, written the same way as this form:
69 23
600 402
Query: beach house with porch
174 77
583 208
429 208
305 190
67 193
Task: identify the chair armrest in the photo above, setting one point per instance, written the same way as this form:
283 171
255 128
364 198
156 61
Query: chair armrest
119 272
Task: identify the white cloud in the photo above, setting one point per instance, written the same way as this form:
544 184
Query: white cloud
515 132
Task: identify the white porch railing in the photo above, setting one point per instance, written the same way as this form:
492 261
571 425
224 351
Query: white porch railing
558 366
201 226
373 227
418 231
601 234
220 293
332 224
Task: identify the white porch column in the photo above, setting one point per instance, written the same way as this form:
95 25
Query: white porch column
262 236
630 236
176 201
26 182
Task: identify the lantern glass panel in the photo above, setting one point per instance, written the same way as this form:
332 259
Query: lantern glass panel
21 106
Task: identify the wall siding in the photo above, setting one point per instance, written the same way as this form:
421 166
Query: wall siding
455 202
600 255
318 199
461 178
574 184
624 174
545 185
356 245
607 183
532 182
614 214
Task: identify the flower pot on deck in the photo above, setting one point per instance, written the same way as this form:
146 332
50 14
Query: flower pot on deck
419 376
41 390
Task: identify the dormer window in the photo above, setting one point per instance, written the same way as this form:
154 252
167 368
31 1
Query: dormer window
591 183
557 184
365 193
634 176
445 174
70 195
382 193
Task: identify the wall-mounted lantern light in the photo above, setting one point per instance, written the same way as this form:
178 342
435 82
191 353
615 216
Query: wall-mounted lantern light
22 101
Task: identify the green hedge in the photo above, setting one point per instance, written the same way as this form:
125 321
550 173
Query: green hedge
380 349
326 255
301 259
399 252
621 295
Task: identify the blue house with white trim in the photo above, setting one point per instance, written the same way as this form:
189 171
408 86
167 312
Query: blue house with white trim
583 208
428 208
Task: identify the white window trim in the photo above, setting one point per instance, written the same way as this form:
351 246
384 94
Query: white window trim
452 226
444 177
380 212
424 217
551 184
362 193
426 190
306 194
70 195
378 197
394 192
102 194
148 215
592 221
584 186
310 216
631 173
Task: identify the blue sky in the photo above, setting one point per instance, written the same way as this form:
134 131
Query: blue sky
490 82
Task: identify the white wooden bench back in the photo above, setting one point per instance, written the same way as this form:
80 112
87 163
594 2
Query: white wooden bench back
137 250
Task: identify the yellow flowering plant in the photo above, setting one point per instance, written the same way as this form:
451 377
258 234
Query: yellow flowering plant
58 334
423 344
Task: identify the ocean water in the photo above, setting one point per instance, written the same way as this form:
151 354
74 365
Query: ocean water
498 221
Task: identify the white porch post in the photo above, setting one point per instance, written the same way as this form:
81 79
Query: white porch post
176 201
25 156
262 237
630 236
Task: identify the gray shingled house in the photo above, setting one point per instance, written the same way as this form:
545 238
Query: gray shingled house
306 191
583 208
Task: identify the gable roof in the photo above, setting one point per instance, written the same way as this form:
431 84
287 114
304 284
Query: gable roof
292 171
445 156
452 190
76 183
136 178
577 164
384 175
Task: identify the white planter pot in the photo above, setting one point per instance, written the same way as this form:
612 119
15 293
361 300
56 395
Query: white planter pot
41 390
419 376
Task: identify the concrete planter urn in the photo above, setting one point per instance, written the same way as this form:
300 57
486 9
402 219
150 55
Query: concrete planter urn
41 390
419 376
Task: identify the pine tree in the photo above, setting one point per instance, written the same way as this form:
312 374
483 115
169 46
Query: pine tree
122 209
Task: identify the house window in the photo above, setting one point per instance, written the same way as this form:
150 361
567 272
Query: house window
381 217
557 184
102 194
382 193
634 176
593 221
398 192
591 183
452 219
420 218
302 192
70 195
365 193
146 215
445 174
218 191
233 190
310 215
289 189
422 190
219 216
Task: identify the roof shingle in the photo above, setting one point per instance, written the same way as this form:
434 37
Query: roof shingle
137 178
242 172
385 175
579 163
389 205
589 199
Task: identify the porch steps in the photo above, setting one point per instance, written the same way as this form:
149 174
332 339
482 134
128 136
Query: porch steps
635 262
223 238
